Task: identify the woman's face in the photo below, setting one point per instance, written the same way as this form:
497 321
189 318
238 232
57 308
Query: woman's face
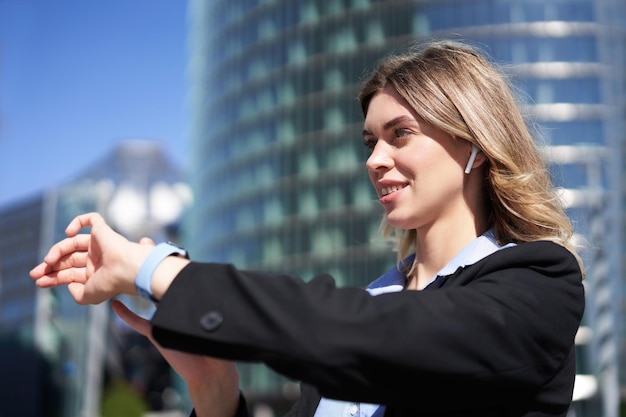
416 168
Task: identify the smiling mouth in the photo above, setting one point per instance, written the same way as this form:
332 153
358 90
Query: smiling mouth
388 190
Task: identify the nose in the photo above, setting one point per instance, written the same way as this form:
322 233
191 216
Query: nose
380 158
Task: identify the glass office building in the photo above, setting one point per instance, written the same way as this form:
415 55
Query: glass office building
23 364
278 164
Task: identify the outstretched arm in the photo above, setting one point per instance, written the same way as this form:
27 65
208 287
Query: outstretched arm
103 264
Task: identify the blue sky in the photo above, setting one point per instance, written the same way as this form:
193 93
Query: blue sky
78 76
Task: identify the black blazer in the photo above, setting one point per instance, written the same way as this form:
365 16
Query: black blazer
495 339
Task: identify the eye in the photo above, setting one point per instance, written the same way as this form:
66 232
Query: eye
400 135
369 144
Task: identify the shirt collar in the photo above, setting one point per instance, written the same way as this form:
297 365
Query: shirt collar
394 280
479 248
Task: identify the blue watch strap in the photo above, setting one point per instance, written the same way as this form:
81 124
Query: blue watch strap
143 280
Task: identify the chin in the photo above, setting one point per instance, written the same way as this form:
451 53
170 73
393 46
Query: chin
400 223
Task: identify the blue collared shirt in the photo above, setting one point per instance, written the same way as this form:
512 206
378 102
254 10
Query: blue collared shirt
394 280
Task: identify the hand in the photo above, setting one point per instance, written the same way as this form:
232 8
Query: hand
96 266
213 383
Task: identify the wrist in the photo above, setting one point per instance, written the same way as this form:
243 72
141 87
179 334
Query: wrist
146 273
139 254
165 274
216 393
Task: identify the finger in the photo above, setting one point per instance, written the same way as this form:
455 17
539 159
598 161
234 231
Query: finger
67 246
64 268
73 260
84 294
77 291
82 221
146 241
135 322
39 271
53 279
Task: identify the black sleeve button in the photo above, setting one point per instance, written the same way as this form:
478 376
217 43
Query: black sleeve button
211 321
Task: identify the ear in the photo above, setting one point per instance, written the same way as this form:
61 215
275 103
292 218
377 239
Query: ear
476 159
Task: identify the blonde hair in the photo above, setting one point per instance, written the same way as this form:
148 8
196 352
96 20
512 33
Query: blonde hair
453 87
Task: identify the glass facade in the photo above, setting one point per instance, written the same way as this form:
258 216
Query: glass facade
276 136
19 251
23 363
278 166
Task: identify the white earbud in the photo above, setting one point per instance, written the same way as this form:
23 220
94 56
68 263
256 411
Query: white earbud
472 157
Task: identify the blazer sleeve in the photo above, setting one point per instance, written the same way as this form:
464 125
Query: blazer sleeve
495 331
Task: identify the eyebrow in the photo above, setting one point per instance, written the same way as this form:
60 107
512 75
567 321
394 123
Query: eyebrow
391 123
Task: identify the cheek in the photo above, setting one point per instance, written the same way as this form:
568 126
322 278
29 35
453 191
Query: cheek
416 165
433 170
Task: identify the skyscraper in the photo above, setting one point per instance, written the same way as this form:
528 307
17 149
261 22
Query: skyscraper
277 170
23 364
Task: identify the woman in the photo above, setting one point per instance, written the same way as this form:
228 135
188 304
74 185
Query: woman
478 319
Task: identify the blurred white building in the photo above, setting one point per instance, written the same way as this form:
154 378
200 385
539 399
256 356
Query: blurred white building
140 193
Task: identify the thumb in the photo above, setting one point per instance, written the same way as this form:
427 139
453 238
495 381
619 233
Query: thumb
83 294
139 324
77 291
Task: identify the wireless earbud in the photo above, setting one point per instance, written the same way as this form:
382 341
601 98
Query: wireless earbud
472 157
